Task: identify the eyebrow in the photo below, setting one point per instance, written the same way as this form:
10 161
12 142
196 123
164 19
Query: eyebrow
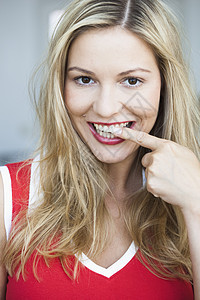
81 70
134 70
120 74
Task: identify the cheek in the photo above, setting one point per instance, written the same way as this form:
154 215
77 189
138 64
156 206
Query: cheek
145 103
75 102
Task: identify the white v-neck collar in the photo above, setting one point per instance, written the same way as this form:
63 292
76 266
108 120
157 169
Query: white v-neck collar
114 268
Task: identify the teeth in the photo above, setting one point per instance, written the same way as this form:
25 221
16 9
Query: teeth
111 128
108 135
106 128
106 131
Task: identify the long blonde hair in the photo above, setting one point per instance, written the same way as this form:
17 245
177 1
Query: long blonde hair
72 215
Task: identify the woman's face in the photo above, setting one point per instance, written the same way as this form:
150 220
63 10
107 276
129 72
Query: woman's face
112 80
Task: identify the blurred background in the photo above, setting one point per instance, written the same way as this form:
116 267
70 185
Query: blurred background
25 28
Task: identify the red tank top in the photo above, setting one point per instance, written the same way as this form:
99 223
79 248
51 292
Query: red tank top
132 281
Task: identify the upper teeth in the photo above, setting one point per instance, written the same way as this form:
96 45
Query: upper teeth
105 128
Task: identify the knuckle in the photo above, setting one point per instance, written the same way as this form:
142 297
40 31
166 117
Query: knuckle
156 159
140 136
152 185
168 145
152 171
147 159
144 161
127 135
150 188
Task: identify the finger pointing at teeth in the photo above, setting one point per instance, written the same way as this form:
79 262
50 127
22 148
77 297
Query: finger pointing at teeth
172 170
142 138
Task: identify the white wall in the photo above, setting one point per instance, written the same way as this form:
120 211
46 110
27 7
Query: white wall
24 39
188 13
18 55
191 10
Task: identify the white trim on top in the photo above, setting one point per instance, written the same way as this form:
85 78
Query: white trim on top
7 199
114 268
34 184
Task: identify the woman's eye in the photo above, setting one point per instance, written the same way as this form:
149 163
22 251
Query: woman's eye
132 81
84 80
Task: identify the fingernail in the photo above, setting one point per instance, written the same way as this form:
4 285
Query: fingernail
117 130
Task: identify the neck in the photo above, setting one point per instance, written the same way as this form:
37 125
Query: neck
125 177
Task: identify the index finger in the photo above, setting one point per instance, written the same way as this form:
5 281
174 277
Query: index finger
140 137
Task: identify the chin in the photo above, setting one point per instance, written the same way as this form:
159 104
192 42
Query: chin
112 157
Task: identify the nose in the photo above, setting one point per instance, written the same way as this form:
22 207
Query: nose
106 103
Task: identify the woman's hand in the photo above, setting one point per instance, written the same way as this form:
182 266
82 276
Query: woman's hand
172 170
173 174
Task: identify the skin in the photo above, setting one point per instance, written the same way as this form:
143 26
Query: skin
109 97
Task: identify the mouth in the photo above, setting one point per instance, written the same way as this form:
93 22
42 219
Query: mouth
103 131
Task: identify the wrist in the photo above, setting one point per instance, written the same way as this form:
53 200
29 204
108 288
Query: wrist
191 209
192 217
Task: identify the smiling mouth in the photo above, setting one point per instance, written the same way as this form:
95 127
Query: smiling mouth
105 129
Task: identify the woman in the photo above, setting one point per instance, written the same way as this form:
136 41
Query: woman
110 208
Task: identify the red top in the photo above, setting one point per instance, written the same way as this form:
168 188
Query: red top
133 281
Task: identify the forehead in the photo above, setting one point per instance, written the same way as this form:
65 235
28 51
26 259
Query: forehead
108 46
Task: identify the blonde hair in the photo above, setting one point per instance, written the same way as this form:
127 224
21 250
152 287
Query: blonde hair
72 215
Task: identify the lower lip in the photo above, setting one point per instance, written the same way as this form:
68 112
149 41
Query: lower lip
105 140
